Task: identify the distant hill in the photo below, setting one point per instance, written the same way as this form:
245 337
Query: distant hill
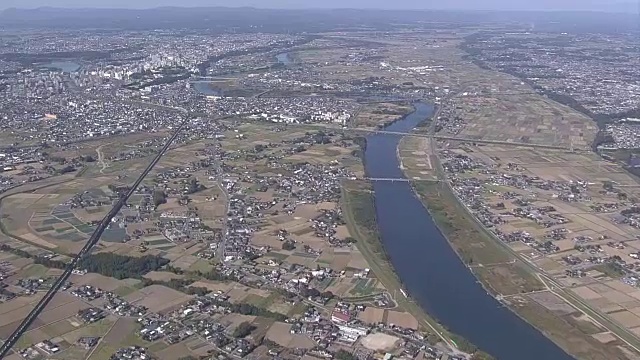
224 19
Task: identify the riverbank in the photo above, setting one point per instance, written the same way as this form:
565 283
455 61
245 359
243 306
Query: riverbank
430 270
358 204
507 279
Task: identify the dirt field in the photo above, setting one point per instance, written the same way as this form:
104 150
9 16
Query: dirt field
379 342
173 352
158 298
371 315
402 319
280 334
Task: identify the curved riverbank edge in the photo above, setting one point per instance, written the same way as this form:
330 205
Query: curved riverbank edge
487 286
550 324
370 245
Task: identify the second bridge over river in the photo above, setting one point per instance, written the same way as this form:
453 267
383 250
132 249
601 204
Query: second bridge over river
376 179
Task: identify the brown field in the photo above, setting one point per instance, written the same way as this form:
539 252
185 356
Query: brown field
371 315
279 333
525 118
213 285
379 342
340 286
99 328
402 319
158 298
183 262
175 351
162 276
233 320
101 281
62 312
121 330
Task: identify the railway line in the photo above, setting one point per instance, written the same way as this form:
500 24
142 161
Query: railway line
93 240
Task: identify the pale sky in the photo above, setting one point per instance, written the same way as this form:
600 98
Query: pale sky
630 6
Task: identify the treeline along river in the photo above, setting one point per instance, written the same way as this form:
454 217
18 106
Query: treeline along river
430 269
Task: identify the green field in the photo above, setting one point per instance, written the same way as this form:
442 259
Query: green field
364 287
51 221
44 229
358 204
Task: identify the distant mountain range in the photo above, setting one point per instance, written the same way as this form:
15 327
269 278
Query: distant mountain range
626 6
222 19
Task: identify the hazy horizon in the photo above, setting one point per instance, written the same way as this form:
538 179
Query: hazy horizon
496 5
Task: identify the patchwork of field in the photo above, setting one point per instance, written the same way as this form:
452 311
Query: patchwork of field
373 315
43 218
587 224
58 323
526 118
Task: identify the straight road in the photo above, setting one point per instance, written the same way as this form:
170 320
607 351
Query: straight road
93 240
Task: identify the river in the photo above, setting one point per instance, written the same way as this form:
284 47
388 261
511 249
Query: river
284 58
431 271
206 88
64 66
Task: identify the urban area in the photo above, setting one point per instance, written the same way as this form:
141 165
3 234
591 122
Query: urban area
184 194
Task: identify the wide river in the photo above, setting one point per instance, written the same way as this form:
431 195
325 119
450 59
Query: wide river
432 272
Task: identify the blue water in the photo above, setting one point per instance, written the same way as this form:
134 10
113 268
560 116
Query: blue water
432 272
206 89
284 58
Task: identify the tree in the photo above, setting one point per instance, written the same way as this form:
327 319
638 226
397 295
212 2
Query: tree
121 266
243 330
288 245
327 295
199 291
310 292
193 186
159 197
344 355
66 169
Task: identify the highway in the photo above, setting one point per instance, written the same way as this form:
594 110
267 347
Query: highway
93 240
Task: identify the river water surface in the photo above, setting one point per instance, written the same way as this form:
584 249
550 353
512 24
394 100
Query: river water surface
431 271
64 66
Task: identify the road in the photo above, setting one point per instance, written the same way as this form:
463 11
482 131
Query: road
621 332
386 275
101 162
93 240
223 242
